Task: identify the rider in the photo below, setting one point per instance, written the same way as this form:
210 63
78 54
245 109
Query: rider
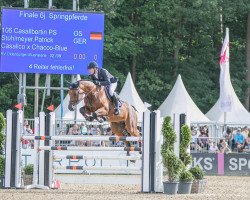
102 77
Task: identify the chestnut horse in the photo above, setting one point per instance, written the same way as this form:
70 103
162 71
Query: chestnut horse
98 106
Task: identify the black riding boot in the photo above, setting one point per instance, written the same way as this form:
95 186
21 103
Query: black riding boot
116 103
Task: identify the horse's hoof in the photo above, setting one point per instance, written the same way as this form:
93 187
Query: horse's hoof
94 115
133 161
90 119
100 120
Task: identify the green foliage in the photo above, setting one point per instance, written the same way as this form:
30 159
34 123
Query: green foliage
1 165
172 163
2 127
186 137
168 134
156 40
197 173
186 176
28 169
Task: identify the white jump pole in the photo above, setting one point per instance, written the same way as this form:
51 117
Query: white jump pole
146 153
19 132
78 157
125 168
35 165
41 144
82 138
8 141
158 173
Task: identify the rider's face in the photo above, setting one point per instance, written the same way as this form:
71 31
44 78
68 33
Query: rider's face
92 71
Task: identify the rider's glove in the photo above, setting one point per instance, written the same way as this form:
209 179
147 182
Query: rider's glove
97 82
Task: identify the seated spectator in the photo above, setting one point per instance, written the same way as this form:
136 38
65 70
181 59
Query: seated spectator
245 132
239 140
227 135
84 129
205 130
224 148
213 148
247 142
220 145
194 142
202 141
74 130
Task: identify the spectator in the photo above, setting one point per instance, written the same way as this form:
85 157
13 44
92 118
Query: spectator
227 135
202 141
27 131
84 130
213 148
245 132
224 148
220 145
247 142
95 131
74 130
194 142
239 140
205 130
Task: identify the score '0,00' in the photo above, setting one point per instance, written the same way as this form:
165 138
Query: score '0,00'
83 56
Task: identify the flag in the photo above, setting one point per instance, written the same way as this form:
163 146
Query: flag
51 108
96 36
225 82
19 106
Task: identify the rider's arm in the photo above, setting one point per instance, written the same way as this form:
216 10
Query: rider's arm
105 76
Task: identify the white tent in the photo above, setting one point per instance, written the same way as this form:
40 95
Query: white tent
130 95
237 115
179 101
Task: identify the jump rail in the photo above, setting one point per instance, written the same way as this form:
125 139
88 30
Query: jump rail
83 138
64 148
97 168
79 157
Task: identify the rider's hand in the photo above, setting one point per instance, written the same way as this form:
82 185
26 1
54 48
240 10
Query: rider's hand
96 82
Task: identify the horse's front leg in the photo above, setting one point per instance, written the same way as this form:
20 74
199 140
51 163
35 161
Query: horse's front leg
86 114
100 114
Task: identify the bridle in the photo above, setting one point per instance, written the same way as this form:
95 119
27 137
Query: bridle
80 93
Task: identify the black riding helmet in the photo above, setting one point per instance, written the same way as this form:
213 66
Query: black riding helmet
92 65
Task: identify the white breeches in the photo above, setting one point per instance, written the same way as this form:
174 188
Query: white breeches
112 88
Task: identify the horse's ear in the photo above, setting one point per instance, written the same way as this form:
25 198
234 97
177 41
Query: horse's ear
74 85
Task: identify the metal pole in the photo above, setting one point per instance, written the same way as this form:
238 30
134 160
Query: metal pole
20 82
36 100
62 96
50 4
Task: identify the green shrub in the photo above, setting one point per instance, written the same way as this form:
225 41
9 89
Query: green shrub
2 127
168 133
1 165
186 176
197 173
28 169
186 137
172 163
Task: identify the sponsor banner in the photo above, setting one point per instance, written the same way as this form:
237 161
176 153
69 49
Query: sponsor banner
223 164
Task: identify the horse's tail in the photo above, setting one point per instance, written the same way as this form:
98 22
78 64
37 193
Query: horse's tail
133 120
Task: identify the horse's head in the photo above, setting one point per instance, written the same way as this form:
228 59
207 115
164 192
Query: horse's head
77 91
73 95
